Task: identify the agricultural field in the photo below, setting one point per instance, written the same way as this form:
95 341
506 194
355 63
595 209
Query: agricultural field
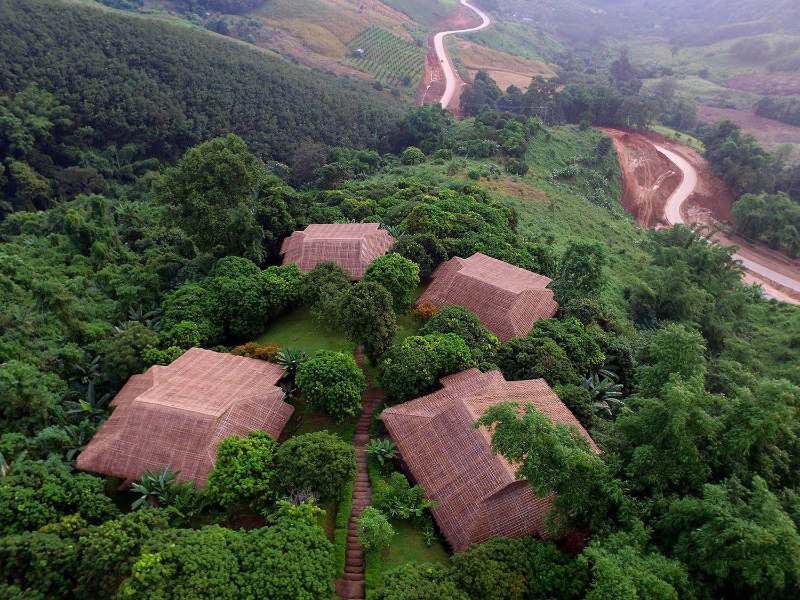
424 12
504 68
389 59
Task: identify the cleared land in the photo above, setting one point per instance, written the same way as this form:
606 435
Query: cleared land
767 84
765 131
504 68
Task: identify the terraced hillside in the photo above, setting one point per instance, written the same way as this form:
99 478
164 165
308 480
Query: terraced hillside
389 59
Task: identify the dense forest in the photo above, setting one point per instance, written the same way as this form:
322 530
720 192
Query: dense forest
153 87
142 215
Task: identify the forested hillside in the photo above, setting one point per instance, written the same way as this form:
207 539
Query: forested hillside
164 88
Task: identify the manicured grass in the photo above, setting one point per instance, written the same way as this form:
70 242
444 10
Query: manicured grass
301 330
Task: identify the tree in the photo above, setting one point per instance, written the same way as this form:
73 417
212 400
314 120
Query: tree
367 317
245 474
332 383
582 350
123 355
374 530
414 366
39 565
461 321
580 272
287 560
418 582
623 567
30 396
423 249
35 494
398 275
579 402
412 156
672 350
738 539
553 458
318 462
536 358
324 288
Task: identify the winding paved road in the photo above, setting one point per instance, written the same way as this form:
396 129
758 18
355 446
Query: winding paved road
673 214
447 67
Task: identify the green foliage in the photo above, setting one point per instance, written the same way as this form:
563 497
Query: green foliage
374 530
673 350
738 158
318 462
367 317
109 550
501 569
288 560
29 396
582 350
423 249
398 275
412 156
399 499
383 450
739 539
306 512
245 474
41 564
416 582
623 567
536 358
553 458
580 272
482 344
332 383
579 402
413 367
34 494
772 219
124 353
240 91
323 288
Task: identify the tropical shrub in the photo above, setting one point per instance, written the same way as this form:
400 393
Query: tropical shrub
319 462
412 156
417 581
424 312
323 289
245 474
332 383
254 350
582 350
374 530
383 450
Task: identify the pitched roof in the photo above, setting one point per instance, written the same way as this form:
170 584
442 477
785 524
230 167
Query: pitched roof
478 493
178 414
352 245
507 299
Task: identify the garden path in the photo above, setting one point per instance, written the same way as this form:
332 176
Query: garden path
351 585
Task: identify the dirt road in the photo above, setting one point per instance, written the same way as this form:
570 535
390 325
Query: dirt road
673 216
665 182
447 65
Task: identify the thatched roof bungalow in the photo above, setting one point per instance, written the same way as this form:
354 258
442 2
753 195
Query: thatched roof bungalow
478 493
178 414
352 245
507 299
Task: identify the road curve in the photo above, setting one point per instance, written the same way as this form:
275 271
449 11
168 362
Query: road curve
447 67
673 214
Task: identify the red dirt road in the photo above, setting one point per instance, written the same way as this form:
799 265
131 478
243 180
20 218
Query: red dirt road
659 192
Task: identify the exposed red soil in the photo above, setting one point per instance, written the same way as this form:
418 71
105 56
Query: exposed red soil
767 84
766 131
648 180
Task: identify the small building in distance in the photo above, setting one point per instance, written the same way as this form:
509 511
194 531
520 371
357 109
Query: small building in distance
507 299
477 492
178 414
352 245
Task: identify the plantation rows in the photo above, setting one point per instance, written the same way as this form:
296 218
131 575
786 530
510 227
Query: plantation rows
386 57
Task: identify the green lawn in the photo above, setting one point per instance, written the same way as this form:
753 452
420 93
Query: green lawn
683 138
300 329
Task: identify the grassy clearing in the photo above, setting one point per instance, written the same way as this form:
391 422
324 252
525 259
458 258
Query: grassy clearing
683 138
386 57
524 39
300 329
475 56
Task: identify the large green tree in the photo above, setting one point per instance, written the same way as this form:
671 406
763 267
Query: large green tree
398 275
332 383
367 317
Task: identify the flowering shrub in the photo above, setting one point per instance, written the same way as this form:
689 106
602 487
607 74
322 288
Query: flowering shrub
253 350
424 312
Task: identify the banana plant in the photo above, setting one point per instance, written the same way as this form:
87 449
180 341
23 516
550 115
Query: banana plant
156 487
92 407
383 450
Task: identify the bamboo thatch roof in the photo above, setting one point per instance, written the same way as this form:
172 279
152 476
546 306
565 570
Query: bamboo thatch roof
508 300
178 414
352 245
478 492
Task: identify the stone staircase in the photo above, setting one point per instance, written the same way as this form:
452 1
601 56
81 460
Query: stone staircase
351 585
